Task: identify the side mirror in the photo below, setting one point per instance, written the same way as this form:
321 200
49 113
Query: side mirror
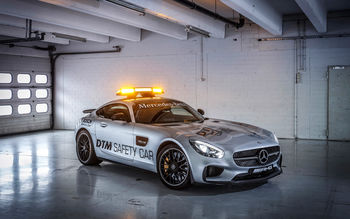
120 116
200 111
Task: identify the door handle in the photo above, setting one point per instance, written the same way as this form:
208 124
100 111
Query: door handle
102 124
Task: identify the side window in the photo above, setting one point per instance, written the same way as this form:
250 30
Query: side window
5 78
23 78
115 112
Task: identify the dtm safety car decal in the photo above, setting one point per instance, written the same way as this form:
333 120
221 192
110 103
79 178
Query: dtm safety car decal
125 149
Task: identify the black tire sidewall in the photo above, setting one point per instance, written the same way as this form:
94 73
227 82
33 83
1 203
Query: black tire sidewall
92 156
188 178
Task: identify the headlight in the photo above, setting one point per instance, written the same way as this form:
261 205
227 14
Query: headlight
207 150
275 138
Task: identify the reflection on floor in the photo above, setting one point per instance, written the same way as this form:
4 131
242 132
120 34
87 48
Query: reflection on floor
40 177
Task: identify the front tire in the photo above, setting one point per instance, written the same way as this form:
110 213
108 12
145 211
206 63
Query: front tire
85 149
173 167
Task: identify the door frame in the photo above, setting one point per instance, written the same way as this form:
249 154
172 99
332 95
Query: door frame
329 68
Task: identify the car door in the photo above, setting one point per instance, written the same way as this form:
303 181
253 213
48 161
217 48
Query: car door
114 131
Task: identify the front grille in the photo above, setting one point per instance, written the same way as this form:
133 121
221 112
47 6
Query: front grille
250 158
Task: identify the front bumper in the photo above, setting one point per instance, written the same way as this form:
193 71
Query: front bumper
253 178
222 171
248 175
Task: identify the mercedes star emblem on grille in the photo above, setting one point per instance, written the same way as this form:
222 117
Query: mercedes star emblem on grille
263 156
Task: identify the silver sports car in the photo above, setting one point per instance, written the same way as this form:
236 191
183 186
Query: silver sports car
170 138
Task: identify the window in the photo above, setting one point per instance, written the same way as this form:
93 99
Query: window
5 78
41 108
23 94
5 94
41 93
41 79
24 109
23 78
5 110
114 112
163 111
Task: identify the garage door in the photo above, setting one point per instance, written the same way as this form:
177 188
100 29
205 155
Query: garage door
25 94
339 103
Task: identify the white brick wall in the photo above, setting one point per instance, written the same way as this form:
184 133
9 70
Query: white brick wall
312 91
90 82
246 80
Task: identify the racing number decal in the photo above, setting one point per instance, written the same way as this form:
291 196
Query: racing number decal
206 131
125 149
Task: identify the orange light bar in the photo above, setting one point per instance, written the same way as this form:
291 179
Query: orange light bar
143 89
125 91
157 90
129 91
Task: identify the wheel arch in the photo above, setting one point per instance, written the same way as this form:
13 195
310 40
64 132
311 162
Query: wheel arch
168 141
79 130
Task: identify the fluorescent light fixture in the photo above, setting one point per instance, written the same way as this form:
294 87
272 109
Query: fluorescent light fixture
69 37
128 5
193 29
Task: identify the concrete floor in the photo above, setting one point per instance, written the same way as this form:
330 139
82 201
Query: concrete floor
40 177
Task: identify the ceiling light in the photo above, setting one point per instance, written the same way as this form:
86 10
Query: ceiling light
69 37
128 5
193 29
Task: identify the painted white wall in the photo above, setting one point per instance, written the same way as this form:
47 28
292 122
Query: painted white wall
245 80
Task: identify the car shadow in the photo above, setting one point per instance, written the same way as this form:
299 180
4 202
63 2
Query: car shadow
136 177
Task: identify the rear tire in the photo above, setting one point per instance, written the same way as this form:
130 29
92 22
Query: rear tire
173 167
85 149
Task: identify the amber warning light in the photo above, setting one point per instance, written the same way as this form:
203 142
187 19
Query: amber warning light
140 91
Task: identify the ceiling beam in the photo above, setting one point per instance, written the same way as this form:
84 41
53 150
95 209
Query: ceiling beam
52 14
44 27
260 12
18 32
316 12
177 13
124 15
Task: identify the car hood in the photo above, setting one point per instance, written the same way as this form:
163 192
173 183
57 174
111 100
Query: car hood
225 134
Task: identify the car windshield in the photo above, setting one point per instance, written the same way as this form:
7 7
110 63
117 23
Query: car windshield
165 111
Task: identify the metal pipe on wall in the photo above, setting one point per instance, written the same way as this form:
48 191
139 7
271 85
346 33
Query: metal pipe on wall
305 37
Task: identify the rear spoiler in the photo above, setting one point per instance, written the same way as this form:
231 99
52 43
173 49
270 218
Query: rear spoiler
88 110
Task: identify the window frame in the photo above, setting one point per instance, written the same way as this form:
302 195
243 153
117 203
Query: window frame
30 107
7 73
1 116
35 79
22 83
30 94
11 91
47 107
38 89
